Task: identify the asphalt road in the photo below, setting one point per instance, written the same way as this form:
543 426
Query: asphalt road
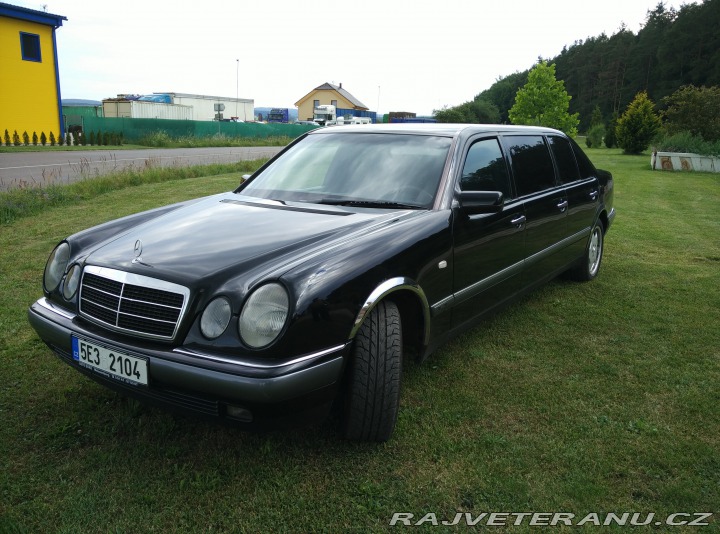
36 169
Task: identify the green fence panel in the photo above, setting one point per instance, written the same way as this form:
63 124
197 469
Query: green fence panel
135 129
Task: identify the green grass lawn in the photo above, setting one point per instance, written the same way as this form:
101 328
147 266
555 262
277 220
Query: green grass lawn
581 398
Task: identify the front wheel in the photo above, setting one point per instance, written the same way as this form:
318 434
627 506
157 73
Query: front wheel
372 395
589 266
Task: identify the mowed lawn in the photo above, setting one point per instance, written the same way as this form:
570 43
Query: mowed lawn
581 398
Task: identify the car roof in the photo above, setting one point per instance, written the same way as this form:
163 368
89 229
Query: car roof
443 129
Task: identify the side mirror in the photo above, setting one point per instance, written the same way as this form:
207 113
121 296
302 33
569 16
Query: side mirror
473 202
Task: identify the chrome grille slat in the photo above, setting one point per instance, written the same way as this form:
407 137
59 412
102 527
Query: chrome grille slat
132 303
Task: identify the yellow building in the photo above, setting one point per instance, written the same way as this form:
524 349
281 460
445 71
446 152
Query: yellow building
327 94
29 78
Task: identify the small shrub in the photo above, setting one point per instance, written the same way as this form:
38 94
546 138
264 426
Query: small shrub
52 139
91 138
16 138
595 136
61 139
158 139
687 142
26 139
34 139
610 138
43 138
7 138
638 126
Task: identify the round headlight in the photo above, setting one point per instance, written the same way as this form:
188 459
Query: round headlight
215 318
55 267
264 315
72 281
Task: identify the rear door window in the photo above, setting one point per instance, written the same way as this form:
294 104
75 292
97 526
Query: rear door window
587 169
564 159
531 163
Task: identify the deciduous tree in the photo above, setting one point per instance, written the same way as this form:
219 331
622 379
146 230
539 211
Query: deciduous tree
544 101
695 110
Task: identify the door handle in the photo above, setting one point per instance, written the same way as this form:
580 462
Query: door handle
518 221
593 195
562 206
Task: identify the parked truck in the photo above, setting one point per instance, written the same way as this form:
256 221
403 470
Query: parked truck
328 115
278 115
324 114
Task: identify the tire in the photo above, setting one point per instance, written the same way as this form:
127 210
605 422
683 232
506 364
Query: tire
589 266
372 394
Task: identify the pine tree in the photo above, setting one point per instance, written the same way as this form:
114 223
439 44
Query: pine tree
637 127
34 139
7 138
43 138
52 139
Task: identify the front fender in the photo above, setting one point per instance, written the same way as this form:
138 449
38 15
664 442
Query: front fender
388 287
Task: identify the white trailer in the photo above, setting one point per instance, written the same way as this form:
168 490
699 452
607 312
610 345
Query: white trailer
203 106
136 109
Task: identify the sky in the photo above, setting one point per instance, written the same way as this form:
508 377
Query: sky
392 55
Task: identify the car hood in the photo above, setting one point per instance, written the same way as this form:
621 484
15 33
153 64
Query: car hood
231 231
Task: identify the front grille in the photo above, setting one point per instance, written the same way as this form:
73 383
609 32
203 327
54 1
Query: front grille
132 303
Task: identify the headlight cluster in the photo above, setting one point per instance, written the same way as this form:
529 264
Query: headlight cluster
55 269
215 318
261 320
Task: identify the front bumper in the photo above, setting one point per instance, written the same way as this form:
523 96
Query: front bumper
201 383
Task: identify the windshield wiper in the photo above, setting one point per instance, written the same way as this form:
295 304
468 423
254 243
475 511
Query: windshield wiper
382 204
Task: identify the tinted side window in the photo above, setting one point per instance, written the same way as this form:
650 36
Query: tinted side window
531 163
485 169
587 169
564 158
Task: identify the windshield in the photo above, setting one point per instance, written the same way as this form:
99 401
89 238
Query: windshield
382 169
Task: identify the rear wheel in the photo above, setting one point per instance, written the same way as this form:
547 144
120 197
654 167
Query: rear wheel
372 396
589 267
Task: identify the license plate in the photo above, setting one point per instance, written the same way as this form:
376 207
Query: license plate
110 362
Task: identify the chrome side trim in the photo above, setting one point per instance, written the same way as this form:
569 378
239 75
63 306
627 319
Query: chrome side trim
384 289
441 305
45 303
245 363
486 283
557 246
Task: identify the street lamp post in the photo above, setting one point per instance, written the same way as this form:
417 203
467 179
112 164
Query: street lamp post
237 86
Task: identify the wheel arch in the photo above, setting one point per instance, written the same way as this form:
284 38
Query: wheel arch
603 218
413 305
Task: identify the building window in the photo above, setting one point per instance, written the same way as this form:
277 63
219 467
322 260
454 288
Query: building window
316 103
333 103
30 47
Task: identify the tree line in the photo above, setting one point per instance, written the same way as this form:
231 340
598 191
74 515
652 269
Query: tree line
674 48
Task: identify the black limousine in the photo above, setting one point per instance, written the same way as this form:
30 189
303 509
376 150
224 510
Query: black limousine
305 287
